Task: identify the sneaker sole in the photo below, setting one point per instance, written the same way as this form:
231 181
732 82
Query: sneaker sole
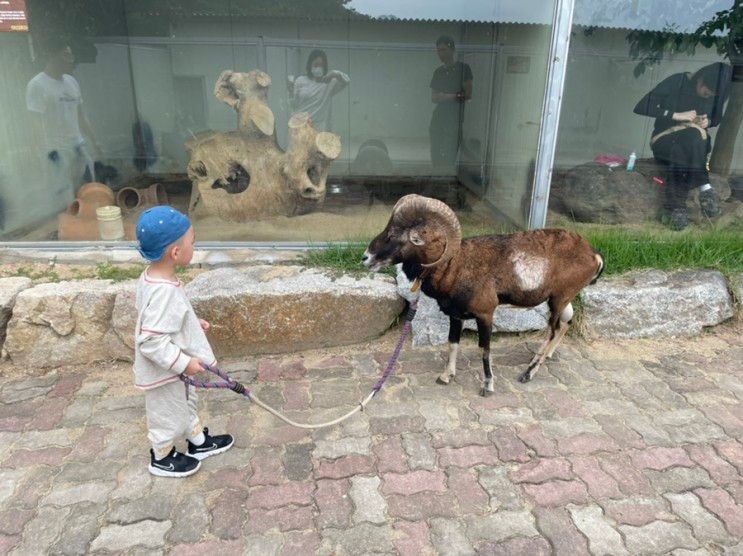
174 474
204 455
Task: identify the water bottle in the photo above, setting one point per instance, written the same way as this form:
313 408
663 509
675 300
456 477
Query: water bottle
631 162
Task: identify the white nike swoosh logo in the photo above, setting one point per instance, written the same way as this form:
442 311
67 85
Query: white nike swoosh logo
204 448
170 466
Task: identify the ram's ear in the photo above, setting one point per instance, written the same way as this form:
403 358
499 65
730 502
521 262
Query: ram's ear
415 239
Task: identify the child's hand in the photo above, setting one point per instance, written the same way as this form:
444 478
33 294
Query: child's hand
195 366
205 326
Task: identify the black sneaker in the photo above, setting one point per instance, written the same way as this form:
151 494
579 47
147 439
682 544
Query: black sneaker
212 445
174 464
709 203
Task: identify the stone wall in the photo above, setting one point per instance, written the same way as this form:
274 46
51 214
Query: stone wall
273 309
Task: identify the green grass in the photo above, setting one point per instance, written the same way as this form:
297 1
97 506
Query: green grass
117 273
626 250
623 250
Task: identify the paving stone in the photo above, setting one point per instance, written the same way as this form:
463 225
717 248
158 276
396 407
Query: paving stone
422 505
42 531
732 451
658 537
155 508
679 479
332 449
228 514
396 425
79 472
345 467
268 544
557 493
651 434
706 526
297 461
334 503
190 520
438 418
421 454
223 548
391 458
534 437
369 503
719 502
448 537
300 542
412 538
501 525
7 543
469 456
517 546
586 443
460 437
13 521
541 470
356 539
96 492
51 456
556 525
602 538
268 497
505 416
413 482
600 484
636 511
621 433
510 447
268 470
660 458
284 519
503 493
630 480
34 440
81 527
471 496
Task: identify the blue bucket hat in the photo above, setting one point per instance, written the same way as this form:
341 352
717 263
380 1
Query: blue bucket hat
159 227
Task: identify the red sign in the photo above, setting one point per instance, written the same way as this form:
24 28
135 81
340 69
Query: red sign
13 16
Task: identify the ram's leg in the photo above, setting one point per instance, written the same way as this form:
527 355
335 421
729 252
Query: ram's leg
560 316
455 334
484 330
566 316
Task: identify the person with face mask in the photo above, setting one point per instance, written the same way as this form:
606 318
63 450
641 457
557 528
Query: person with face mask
54 105
313 92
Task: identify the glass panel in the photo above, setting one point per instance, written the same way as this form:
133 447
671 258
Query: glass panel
436 98
619 54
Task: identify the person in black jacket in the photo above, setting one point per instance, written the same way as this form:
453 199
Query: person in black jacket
685 106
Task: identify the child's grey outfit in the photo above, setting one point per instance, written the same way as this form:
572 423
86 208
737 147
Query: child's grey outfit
167 335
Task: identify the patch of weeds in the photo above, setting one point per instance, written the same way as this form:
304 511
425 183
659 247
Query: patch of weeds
117 273
343 257
46 275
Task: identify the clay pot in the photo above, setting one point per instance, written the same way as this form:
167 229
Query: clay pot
73 227
89 197
131 199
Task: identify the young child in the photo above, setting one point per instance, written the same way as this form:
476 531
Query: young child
169 341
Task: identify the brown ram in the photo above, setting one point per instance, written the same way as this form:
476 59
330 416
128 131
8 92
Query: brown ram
470 278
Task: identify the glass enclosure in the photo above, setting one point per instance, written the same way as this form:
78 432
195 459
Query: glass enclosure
437 98
633 78
305 120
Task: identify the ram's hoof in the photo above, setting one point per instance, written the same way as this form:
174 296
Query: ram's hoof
525 376
485 392
440 381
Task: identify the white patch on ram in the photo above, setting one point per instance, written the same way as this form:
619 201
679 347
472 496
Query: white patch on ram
529 270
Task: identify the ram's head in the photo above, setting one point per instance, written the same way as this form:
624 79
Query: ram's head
420 230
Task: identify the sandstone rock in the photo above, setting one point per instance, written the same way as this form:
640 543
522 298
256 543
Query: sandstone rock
594 192
431 326
62 323
272 309
9 290
657 303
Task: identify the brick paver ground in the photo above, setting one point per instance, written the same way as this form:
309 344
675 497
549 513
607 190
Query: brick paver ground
614 448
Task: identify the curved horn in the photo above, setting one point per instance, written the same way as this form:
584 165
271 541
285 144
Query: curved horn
412 206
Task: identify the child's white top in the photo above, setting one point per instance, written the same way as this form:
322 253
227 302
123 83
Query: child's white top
167 335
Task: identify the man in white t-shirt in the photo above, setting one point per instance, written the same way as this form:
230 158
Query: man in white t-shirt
54 102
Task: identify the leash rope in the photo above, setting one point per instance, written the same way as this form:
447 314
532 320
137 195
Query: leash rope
231 384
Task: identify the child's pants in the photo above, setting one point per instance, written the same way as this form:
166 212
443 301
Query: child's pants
171 414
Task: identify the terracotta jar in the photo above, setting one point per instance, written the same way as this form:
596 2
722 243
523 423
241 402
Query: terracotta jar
130 199
79 222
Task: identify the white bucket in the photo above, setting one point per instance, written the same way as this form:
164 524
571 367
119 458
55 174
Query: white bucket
110 225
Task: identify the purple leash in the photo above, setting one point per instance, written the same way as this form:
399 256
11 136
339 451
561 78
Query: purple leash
231 384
